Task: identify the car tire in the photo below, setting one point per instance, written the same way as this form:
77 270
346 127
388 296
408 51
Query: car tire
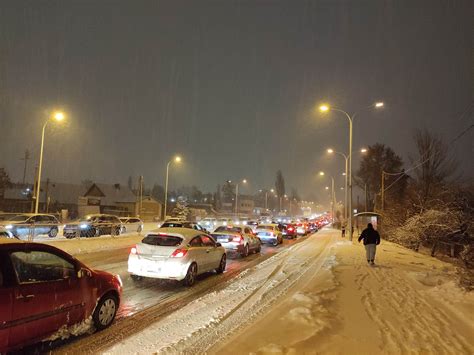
259 249
115 231
222 265
69 236
276 242
123 230
53 233
140 228
105 311
135 277
190 278
245 253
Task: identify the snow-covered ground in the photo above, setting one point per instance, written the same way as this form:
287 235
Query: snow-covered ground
320 296
104 242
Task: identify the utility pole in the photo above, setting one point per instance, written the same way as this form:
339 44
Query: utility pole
365 192
35 187
25 158
141 196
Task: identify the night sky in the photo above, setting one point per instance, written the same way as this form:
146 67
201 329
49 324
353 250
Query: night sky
230 85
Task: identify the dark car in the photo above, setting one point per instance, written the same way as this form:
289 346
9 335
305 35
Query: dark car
289 231
25 225
93 226
43 289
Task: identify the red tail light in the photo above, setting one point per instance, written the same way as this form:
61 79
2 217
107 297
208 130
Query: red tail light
179 253
290 229
134 250
238 239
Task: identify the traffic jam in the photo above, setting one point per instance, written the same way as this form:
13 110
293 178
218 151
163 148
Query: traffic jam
49 296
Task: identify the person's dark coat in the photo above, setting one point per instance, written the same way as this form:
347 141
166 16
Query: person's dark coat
370 236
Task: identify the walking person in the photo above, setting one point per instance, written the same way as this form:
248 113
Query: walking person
371 239
343 229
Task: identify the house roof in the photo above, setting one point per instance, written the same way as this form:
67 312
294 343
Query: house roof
110 194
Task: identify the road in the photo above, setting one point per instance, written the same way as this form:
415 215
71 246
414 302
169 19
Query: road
150 299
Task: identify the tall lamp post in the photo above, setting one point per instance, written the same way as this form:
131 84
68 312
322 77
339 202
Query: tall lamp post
244 181
326 108
176 159
57 116
332 151
333 195
266 197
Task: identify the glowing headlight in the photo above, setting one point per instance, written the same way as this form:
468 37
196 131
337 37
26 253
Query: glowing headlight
84 226
8 226
245 223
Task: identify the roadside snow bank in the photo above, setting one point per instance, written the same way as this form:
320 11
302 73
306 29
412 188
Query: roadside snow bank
88 245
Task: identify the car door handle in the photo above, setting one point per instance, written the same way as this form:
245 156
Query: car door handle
27 297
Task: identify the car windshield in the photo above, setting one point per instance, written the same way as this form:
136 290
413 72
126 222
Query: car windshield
19 218
228 229
6 217
162 240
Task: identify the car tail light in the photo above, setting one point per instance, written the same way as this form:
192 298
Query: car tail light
134 250
238 239
290 229
179 253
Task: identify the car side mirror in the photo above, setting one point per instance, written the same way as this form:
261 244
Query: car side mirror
84 273
218 245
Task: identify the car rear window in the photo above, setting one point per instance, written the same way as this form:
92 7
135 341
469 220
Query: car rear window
229 229
162 240
171 225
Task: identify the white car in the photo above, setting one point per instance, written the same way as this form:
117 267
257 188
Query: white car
238 239
131 224
176 254
209 223
269 233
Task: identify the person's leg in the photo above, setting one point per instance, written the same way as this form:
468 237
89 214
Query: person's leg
367 252
372 253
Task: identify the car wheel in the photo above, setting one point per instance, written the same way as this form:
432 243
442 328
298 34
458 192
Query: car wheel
190 278
135 277
105 311
115 231
140 228
69 236
222 265
123 230
276 242
245 253
259 248
53 232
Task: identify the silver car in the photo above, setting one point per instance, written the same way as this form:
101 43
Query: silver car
238 239
131 224
176 254
269 233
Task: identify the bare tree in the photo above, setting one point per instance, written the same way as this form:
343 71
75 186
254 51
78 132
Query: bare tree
434 166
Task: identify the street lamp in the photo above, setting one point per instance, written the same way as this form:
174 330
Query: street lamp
326 108
244 181
57 116
332 151
177 159
333 194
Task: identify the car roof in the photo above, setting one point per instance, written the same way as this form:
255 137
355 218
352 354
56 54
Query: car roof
186 233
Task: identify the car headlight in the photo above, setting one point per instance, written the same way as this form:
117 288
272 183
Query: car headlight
8 226
84 226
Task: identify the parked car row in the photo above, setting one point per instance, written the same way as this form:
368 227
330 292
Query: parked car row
25 225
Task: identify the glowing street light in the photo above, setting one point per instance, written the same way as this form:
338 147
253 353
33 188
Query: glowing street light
379 104
58 116
363 150
321 173
177 159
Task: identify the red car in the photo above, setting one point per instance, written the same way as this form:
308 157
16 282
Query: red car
290 231
43 289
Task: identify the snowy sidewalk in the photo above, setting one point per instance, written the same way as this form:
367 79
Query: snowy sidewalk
320 296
